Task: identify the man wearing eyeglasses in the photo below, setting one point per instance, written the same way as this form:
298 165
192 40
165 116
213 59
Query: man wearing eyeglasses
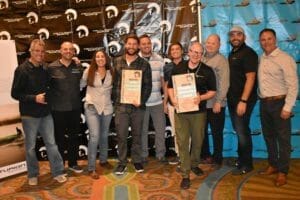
191 125
242 96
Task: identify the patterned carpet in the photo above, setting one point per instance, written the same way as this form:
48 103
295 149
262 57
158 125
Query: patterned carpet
158 182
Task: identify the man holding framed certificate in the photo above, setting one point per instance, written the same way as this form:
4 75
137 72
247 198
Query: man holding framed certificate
193 83
132 87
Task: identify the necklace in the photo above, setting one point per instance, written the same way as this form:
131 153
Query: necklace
197 70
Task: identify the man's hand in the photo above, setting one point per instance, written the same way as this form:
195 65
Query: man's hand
241 108
40 98
285 114
217 108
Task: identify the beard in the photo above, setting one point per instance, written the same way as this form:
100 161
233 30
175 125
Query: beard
131 53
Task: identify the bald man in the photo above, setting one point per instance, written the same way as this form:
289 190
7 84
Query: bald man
66 104
215 106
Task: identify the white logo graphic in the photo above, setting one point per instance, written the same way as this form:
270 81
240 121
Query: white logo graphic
156 44
154 7
123 28
84 65
165 26
71 14
43 34
193 6
43 152
114 47
79 1
83 31
33 18
40 2
4 35
111 11
77 49
194 39
83 151
167 60
3 4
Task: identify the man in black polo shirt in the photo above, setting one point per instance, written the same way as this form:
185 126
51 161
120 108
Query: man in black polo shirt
191 125
242 96
66 103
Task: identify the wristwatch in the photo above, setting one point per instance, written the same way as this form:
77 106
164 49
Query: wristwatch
244 101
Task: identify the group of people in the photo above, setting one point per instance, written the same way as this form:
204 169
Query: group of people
50 104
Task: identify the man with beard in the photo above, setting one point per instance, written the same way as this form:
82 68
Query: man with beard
242 96
130 114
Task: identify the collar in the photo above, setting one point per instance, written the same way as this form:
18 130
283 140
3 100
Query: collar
274 53
238 49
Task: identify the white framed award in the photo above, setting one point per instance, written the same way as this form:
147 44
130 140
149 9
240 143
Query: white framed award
131 86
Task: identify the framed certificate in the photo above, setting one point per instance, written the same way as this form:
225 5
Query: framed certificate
185 92
131 86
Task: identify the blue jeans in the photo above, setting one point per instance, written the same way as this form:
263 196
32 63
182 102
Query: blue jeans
44 126
241 126
98 135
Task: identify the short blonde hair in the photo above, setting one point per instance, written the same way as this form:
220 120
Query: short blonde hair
36 42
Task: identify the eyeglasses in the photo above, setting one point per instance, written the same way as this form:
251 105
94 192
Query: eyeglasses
198 53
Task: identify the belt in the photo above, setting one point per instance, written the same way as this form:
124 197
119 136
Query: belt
273 98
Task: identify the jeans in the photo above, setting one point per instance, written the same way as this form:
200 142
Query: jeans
216 122
241 126
159 122
98 125
67 122
44 126
277 134
189 128
125 116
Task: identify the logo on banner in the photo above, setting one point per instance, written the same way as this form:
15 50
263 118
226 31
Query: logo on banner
153 7
3 4
114 47
40 2
32 17
111 11
43 34
156 44
193 6
71 14
77 48
43 152
123 28
83 31
244 3
165 26
4 35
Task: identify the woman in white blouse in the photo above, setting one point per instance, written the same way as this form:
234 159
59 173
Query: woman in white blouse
98 109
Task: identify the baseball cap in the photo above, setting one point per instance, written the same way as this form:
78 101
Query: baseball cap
237 29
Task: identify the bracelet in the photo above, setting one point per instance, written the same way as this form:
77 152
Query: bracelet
244 101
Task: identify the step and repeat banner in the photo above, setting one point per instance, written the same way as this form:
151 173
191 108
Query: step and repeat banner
97 24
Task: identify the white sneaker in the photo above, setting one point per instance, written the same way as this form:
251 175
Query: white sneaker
60 178
33 181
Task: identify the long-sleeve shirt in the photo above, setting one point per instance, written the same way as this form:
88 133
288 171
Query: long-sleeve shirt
220 66
277 75
65 86
100 94
139 63
28 82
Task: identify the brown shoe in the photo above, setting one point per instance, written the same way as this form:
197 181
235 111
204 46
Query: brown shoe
106 165
94 174
281 179
269 170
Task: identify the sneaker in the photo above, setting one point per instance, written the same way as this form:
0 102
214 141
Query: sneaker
33 181
174 161
185 183
138 167
60 178
106 165
197 171
120 169
240 171
77 169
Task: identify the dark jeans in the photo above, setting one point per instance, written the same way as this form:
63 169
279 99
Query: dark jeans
125 116
241 126
216 122
67 122
277 134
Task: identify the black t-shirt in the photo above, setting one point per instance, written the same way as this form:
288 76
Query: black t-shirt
205 79
241 61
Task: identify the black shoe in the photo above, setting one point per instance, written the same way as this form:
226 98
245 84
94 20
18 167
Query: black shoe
197 171
174 161
185 183
120 169
138 167
240 171
77 169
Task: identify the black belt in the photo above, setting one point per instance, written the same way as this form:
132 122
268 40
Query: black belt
273 98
